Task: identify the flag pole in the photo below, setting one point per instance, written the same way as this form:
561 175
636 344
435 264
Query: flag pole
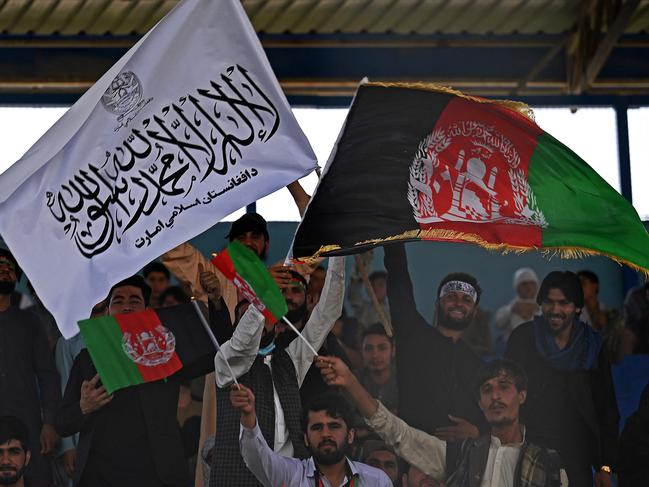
300 335
208 330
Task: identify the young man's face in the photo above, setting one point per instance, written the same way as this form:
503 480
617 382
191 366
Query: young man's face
158 282
13 460
377 352
255 241
386 461
456 310
327 438
126 299
500 401
558 311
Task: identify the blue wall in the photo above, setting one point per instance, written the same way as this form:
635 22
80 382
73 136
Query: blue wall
430 261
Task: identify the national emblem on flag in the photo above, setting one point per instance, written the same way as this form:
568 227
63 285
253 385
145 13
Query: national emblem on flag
421 162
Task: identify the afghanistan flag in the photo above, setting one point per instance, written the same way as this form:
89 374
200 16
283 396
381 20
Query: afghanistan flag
240 265
417 162
146 346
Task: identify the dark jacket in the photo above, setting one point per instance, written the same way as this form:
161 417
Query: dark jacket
536 466
434 374
152 445
573 412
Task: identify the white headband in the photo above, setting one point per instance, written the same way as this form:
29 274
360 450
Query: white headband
459 286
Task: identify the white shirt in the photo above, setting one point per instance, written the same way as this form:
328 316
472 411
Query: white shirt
241 350
428 453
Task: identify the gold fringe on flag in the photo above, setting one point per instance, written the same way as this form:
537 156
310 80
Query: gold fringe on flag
455 236
516 106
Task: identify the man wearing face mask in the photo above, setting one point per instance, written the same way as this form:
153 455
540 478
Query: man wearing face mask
444 404
265 359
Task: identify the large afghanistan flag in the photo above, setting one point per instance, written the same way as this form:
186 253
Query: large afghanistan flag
429 163
187 127
147 346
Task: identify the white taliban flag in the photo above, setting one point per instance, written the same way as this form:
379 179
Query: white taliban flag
189 126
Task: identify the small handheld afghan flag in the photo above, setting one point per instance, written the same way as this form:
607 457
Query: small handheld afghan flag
422 162
240 265
147 346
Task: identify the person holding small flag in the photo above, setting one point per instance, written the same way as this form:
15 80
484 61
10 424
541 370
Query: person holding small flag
274 369
328 435
129 438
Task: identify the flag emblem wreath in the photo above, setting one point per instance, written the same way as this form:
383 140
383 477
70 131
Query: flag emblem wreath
150 348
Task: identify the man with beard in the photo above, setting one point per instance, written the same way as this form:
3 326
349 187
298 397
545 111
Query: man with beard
14 451
274 368
29 383
571 403
328 436
443 404
503 457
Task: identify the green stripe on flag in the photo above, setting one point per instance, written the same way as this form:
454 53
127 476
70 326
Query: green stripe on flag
582 210
253 271
103 338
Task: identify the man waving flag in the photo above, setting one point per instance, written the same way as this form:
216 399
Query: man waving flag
187 127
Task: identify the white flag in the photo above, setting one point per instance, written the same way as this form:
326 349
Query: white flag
189 126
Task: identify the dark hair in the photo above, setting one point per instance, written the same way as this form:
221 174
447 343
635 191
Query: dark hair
175 292
249 222
333 403
495 368
12 428
376 329
588 275
380 274
135 281
7 253
155 266
567 282
464 277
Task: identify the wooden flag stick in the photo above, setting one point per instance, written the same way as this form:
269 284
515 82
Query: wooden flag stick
300 335
208 330
377 306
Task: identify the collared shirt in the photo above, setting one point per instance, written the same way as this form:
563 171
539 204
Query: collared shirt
428 453
274 470
241 350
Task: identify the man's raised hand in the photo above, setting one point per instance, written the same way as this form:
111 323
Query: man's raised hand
334 371
243 399
93 397
281 274
209 282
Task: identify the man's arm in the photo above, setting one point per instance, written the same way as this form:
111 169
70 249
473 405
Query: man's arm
48 386
270 468
425 451
322 319
241 350
403 310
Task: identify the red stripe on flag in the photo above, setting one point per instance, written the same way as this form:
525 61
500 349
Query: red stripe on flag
481 171
151 343
224 263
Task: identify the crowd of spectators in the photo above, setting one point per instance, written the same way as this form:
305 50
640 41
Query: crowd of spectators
522 396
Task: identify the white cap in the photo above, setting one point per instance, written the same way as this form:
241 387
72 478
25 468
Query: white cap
524 274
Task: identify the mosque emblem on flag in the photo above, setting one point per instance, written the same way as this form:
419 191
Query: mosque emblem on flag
469 172
151 347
